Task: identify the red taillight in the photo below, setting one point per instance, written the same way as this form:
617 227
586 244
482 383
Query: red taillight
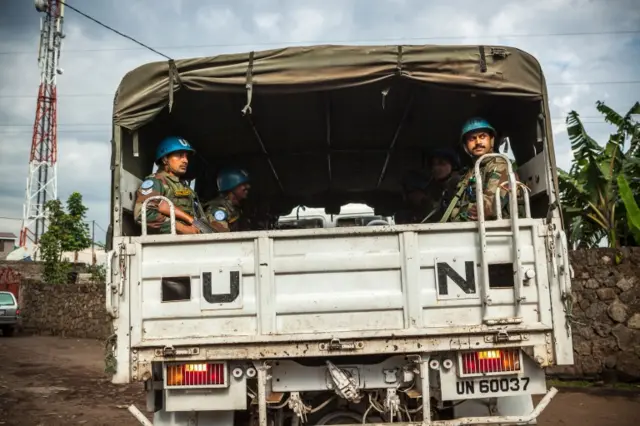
494 361
202 374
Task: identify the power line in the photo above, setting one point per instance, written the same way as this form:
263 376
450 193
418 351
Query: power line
587 117
594 83
558 122
60 124
71 95
315 42
84 221
114 30
90 131
61 132
101 228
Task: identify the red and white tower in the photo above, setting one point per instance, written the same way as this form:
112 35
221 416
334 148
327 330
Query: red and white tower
42 184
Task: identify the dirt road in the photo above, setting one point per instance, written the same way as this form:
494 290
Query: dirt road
53 381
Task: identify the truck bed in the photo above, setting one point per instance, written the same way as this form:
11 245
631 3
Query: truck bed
323 284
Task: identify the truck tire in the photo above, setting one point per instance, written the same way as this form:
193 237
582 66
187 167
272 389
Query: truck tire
7 331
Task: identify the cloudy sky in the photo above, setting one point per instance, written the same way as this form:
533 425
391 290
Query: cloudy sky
95 59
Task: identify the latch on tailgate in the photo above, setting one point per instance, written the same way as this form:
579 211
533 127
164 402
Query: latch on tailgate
503 336
336 345
170 351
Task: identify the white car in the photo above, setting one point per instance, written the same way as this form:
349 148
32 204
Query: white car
9 313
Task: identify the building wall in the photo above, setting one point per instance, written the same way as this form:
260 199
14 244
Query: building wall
6 246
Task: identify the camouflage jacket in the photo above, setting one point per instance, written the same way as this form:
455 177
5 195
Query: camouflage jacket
494 174
222 214
438 195
167 185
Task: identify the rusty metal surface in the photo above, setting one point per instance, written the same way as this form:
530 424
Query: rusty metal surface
10 281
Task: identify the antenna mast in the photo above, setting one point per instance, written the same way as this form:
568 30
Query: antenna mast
42 183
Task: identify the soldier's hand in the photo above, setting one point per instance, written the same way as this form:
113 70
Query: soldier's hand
182 228
473 212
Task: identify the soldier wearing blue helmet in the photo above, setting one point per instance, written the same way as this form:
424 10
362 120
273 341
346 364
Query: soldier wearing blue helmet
478 138
172 158
224 211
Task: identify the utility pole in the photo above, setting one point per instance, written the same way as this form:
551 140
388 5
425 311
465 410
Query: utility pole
42 183
93 242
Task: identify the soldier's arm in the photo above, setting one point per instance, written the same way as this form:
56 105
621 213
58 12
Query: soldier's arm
158 211
151 187
165 209
218 219
495 175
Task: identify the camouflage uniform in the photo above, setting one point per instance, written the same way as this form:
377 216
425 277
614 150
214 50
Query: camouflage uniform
494 174
167 185
222 214
440 195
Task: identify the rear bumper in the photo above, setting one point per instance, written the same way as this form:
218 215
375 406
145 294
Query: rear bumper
8 321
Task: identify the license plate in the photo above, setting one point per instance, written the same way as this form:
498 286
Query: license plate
493 386
2 311
531 381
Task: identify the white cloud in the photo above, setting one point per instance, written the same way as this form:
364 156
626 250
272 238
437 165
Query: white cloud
84 121
268 22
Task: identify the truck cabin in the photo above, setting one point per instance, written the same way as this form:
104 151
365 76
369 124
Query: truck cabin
326 126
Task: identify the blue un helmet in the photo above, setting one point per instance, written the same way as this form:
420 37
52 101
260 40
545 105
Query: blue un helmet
472 125
229 178
172 144
476 123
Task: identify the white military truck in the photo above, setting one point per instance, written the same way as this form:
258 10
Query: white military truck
431 324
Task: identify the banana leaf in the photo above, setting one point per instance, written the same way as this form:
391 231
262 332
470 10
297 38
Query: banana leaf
630 204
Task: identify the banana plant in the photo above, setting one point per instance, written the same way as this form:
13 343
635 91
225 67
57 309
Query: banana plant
589 192
631 206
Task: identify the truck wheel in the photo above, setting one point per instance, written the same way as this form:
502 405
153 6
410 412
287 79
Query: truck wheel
7 331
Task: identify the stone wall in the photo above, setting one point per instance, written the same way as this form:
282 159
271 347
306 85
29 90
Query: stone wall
606 316
28 270
71 310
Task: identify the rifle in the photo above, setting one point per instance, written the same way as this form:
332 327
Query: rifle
200 219
203 226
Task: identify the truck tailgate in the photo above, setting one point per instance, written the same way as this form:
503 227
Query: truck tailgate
322 284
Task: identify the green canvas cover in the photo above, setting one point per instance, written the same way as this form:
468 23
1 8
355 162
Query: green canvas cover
145 91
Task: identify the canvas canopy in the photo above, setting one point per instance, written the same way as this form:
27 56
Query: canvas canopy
325 125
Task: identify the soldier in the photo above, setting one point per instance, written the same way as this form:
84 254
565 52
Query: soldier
445 165
427 199
172 157
478 139
416 203
224 211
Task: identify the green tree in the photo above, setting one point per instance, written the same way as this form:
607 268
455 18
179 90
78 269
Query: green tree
592 206
67 232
